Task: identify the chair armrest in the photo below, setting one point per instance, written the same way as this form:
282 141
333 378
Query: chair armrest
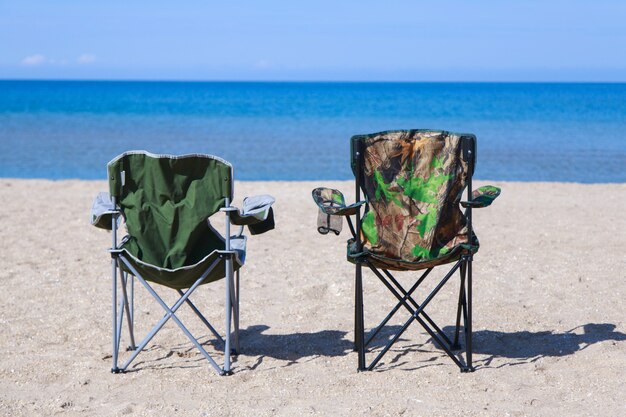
482 197
256 213
332 206
332 202
102 211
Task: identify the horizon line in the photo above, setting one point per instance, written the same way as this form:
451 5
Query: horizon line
313 81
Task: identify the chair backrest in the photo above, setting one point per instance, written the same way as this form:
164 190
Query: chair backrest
413 180
166 201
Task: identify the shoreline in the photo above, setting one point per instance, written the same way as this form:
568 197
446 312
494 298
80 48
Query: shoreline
348 181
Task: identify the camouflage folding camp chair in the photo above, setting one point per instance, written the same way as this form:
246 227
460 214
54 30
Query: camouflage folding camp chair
166 202
410 220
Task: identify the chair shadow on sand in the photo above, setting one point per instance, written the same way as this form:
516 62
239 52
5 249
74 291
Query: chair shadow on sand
255 341
294 346
526 347
519 347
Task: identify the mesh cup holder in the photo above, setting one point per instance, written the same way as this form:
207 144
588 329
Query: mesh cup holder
328 222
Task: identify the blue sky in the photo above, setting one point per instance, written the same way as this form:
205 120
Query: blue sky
386 40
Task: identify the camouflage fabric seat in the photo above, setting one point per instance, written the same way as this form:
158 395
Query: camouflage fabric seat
413 217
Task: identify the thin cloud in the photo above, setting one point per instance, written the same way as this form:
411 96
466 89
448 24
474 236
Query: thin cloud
86 59
34 60
263 64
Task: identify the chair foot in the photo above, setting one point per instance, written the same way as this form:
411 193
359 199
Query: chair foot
234 352
226 373
117 371
467 369
130 348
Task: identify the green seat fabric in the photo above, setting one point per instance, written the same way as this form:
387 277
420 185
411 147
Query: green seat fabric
413 180
166 202
185 276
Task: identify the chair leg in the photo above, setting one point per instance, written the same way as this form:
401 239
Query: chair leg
122 308
355 346
359 325
131 312
468 324
114 353
129 317
120 320
228 285
461 306
234 291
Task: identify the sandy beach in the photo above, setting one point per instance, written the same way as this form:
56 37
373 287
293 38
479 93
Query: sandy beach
549 316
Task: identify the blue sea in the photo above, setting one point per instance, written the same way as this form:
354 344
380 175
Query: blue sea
300 131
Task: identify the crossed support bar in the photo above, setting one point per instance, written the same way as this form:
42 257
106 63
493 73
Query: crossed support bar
126 306
126 303
416 310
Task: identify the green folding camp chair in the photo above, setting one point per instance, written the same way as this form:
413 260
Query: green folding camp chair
410 220
166 202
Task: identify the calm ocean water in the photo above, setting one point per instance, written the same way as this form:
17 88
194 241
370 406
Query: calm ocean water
301 131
